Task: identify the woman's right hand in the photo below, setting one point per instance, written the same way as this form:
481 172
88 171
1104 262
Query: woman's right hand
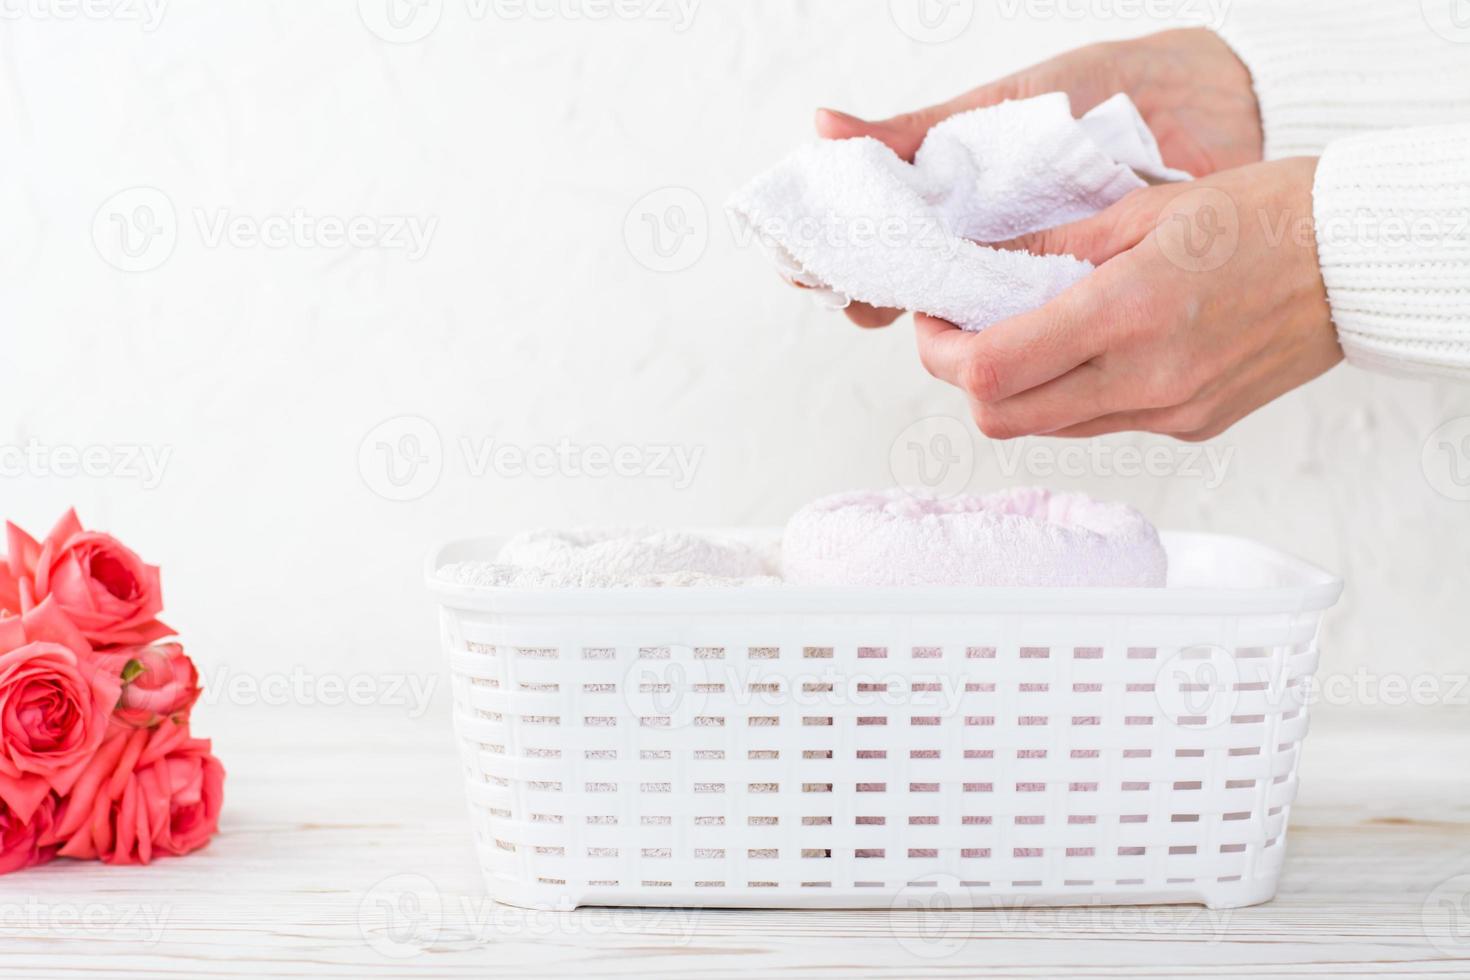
1192 89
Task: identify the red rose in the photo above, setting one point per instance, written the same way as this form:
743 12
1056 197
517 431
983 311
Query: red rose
148 791
158 682
104 587
55 701
20 840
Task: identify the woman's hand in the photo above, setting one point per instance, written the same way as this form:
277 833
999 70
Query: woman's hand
1207 303
1193 91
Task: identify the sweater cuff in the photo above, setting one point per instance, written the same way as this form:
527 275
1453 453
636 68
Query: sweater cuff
1328 69
1392 215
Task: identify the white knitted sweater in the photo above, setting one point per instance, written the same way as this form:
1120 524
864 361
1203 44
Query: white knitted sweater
1380 89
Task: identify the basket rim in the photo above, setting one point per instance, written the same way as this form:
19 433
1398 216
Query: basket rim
1309 589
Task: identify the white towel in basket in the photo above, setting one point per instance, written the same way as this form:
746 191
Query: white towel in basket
620 558
853 221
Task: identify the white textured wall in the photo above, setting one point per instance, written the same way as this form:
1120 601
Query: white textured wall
519 145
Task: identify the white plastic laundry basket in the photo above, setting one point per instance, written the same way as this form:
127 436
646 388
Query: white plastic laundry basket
803 748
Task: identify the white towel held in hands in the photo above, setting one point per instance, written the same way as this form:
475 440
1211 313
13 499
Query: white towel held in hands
852 220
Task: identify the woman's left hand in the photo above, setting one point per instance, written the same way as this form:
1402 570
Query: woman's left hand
1207 303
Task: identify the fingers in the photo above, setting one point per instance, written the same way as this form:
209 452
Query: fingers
865 316
1161 421
871 317
1093 239
1077 397
903 133
1101 426
833 124
1097 239
1210 412
1101 237
1017 354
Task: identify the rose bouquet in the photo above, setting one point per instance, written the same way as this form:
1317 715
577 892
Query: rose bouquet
96 757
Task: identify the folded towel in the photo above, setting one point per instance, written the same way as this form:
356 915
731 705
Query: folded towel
853 221
618 558
1020 537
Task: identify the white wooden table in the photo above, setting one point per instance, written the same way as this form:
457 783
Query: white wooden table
345 851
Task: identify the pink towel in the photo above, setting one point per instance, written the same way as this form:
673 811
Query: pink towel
1020 537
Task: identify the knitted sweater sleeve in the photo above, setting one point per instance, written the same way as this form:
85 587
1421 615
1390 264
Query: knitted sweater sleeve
1380 89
